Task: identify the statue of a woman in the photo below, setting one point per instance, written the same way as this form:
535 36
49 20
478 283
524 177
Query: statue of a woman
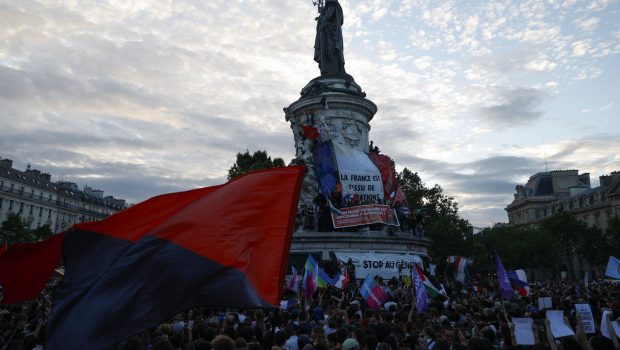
328 46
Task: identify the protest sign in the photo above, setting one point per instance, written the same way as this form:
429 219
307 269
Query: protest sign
524 334
558 327
605 325
544 303
364 215
586 317
385 265
358 175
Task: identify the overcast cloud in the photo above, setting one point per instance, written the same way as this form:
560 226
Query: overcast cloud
140 98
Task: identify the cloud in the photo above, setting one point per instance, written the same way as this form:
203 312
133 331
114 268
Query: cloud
152 96
588 24
580 48
517 107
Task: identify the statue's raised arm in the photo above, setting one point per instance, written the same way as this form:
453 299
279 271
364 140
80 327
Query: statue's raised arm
328 45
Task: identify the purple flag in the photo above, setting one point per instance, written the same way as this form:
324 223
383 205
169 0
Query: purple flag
421 296
504 283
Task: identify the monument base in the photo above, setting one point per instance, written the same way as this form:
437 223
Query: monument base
324 246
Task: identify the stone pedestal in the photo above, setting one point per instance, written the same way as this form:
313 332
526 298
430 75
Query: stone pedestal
337 105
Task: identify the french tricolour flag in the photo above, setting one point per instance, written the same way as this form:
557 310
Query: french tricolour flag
519 279
341 279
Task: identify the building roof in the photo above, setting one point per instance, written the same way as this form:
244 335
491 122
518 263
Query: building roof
34 178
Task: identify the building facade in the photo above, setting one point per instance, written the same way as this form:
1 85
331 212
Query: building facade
548 193
38 201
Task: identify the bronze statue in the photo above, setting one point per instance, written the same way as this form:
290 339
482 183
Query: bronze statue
328 46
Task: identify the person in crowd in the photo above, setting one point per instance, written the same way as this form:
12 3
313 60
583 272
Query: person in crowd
341 319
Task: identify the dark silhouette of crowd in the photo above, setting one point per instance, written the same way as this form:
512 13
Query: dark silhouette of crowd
337 319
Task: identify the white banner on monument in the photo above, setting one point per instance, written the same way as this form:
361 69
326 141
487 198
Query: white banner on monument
385 265
358 174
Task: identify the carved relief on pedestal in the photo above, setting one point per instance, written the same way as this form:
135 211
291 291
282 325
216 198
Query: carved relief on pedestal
304 154
351 132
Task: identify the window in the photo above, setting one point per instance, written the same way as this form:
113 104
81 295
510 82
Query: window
1 199
40 211
31 209
49 213
10 205
21 208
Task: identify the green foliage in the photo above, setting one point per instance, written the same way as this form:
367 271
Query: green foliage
247 162
43 232
15 230
519 247
575 237
413 188
419 196
450 233
611 240
543 247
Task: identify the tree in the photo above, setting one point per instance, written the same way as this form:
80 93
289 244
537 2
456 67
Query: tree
413 188
611 245
419 196
14 229
42 232
247 162
450 233
518 246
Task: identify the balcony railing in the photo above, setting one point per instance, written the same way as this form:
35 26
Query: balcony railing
50 201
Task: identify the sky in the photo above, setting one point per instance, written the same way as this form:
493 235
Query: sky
140 98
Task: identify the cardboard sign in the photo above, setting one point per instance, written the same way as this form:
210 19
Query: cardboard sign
586 317
544 303
558 327
524 334
604 325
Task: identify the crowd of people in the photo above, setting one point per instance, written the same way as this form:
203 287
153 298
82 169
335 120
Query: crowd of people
338 319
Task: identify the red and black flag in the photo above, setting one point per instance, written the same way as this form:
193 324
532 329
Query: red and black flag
225 245
25 268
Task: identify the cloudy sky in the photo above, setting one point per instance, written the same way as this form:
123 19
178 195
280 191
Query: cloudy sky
140 98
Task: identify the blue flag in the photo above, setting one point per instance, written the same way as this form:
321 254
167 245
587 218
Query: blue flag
613 268
421 295
325 167
504 283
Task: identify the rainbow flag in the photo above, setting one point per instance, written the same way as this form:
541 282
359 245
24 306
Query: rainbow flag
323 280
311 273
